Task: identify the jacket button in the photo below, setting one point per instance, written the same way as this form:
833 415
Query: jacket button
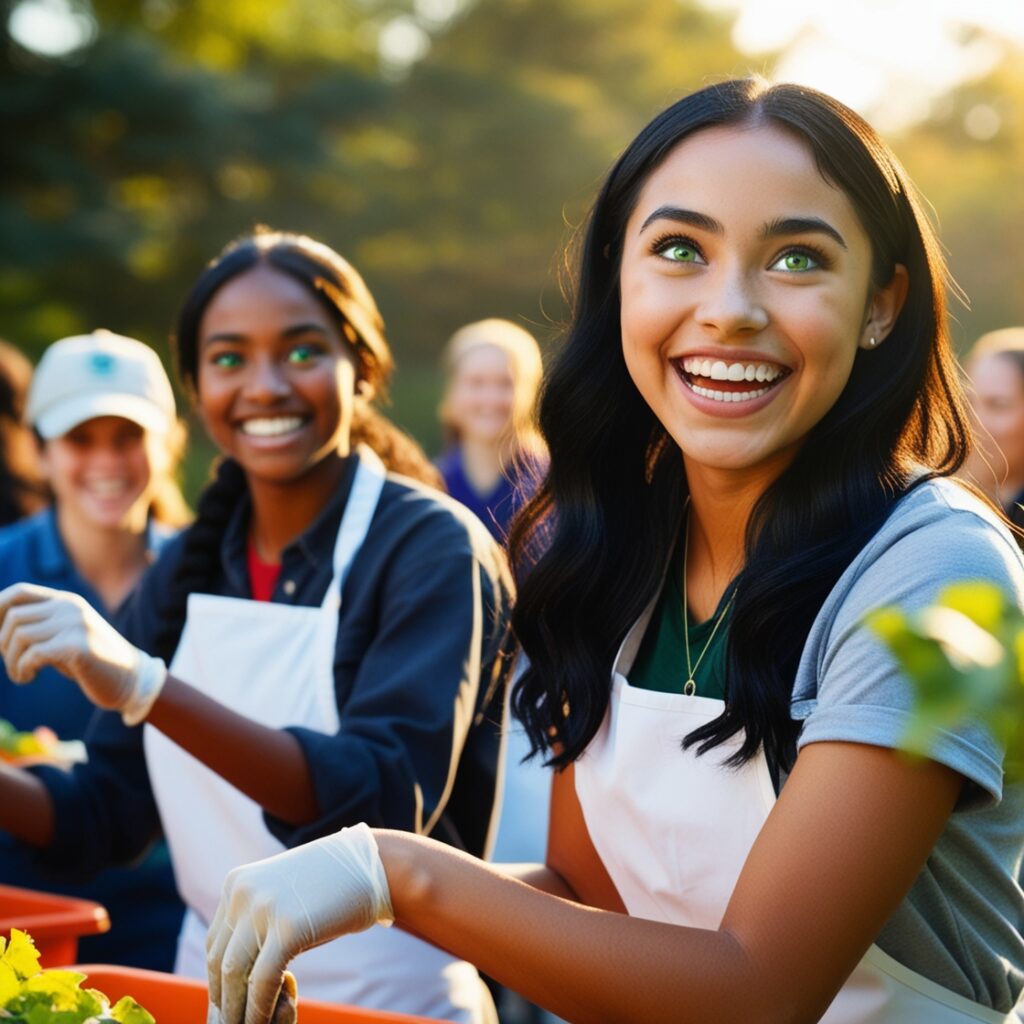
289 587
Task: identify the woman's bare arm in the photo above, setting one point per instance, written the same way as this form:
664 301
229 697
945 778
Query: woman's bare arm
841 848
266 764
277 778
26 810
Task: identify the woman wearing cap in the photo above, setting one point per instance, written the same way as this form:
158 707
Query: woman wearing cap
109 443
335 634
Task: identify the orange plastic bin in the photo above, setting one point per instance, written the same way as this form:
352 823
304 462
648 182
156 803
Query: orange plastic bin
54 922
174 1000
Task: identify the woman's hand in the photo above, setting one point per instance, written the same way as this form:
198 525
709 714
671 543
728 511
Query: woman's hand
274 909
41 627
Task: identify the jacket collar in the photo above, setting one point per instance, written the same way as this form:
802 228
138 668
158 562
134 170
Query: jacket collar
310 545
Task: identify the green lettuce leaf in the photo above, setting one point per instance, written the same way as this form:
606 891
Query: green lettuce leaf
29 995
127 1011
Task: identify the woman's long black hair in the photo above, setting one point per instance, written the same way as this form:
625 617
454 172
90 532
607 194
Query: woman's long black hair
335 283
611 507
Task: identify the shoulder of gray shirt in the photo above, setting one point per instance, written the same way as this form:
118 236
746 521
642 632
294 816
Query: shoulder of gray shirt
848 687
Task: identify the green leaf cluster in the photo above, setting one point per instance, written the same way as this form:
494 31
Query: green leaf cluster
29 995
14 742
964 657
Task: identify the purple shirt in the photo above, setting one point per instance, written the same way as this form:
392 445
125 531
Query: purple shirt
496 509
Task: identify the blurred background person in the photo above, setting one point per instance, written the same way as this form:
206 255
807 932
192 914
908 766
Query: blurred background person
995 366
109 444
494 451
22 490
493 461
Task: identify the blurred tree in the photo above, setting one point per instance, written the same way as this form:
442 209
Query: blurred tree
515 114
133 168
449 147
967 159
448 180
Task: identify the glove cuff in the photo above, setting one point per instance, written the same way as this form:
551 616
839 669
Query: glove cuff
355 851
150 676
385 913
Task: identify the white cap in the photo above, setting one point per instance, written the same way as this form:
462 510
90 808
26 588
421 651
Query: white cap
99 374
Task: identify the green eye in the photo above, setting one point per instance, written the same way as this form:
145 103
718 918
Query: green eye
796 262
228 360
679 253
303 354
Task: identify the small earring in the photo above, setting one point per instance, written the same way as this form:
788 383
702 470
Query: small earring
872 342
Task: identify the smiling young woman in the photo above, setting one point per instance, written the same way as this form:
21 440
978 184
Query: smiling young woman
734 835
336 634
109 443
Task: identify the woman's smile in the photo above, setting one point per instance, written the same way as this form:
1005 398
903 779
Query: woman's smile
725 385
273 429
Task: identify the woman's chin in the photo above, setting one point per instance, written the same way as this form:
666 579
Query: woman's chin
486 435
129 517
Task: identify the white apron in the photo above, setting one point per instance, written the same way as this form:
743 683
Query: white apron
674 830
274 664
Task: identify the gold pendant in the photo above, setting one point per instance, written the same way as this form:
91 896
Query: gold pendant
689 688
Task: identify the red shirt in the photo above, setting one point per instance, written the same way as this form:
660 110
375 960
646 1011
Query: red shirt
262 575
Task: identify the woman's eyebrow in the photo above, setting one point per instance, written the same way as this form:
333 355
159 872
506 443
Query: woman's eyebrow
220 336
288 332
304 328
801 226
691 217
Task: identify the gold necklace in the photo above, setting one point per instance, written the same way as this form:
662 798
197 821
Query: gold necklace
690 686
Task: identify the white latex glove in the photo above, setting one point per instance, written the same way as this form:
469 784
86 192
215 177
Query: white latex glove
42 627
272 910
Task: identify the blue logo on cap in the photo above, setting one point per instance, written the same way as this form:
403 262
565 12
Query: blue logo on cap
101 363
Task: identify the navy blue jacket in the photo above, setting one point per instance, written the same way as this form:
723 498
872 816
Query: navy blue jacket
421 662
142 901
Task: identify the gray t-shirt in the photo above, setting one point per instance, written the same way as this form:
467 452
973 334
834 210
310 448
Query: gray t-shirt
961 923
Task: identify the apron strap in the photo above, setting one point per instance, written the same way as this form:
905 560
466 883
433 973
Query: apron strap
355 522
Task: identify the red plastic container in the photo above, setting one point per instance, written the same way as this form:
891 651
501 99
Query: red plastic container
174 1000
54 922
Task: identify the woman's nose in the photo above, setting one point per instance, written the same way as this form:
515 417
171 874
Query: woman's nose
266 380
730 303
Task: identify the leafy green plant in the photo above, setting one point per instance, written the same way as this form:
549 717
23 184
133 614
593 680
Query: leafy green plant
29 995
964 657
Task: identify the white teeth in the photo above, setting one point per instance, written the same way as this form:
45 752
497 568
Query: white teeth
729 396
271 426
108 488
721 370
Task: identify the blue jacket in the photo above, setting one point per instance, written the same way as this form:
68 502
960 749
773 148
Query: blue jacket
422 658
142 900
